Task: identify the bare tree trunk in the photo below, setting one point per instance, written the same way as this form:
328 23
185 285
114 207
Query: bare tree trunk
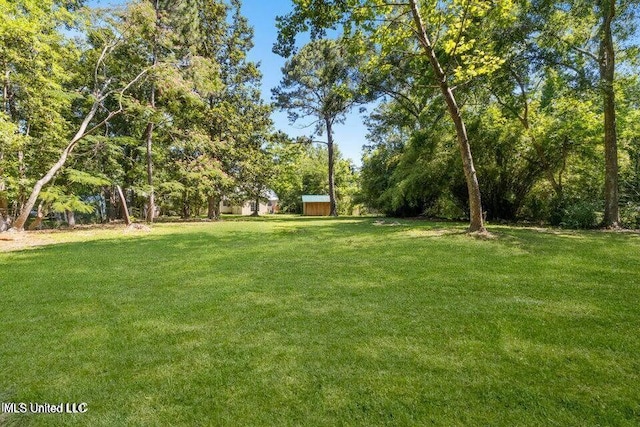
607 75
151 207
332 179
125 208
71 218
213 207
186 207
22 178
4 202
256 207
24 214
110 198
473 188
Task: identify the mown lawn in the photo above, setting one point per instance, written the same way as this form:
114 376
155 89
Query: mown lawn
293 321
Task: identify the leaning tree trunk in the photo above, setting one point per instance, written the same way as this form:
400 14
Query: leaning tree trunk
607 74
125 208
332 178
30 203
37 223
473 188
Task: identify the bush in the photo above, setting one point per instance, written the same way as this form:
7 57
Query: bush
580 214
630 215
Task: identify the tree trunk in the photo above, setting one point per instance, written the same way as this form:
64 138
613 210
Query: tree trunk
37 223
473 188
125 208
24 214
22 178
4 203
332 179
71 218
607 75
151 206
186 207
112 203
213 207
256 207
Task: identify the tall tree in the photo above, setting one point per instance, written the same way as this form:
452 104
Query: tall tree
607 66
70 121
459 27
319 81
475 203
586 37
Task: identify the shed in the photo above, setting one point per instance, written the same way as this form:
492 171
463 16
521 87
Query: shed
316 205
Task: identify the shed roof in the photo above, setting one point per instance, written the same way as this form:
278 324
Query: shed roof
313 198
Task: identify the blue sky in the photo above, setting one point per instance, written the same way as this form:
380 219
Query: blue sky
261 14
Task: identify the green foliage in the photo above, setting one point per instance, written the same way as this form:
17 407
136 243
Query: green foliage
524 73
580 214
301 168
319 82
205 111
59 201
86 179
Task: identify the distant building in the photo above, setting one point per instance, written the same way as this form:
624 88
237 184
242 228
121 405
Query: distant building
248 207
316 205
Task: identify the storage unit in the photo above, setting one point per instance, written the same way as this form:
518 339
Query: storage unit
316 205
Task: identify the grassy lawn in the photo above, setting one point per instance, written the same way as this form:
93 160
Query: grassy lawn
292 321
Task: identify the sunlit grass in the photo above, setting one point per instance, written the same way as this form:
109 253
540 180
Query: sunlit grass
293 321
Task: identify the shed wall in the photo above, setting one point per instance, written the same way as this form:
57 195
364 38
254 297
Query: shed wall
317 209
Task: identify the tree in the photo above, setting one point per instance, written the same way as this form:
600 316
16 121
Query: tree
301 168
36 62
92 102
207 107
586 37
319 81
256 175
459 26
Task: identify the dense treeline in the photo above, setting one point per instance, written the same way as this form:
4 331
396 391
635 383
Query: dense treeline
530 106
535 123
156 101
499 110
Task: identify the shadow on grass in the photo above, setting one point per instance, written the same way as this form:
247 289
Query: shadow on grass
217 235
329 320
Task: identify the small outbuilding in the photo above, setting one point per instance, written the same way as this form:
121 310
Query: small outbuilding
316 205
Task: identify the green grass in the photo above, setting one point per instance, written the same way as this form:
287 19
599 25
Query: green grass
293 321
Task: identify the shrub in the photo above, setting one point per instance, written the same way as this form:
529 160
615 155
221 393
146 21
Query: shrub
580 214
630 215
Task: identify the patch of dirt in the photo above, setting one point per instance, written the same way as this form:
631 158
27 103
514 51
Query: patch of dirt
16 240
436 232
137 227
387 224
13 240
483 235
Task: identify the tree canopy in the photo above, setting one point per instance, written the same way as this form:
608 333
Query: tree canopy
484 110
